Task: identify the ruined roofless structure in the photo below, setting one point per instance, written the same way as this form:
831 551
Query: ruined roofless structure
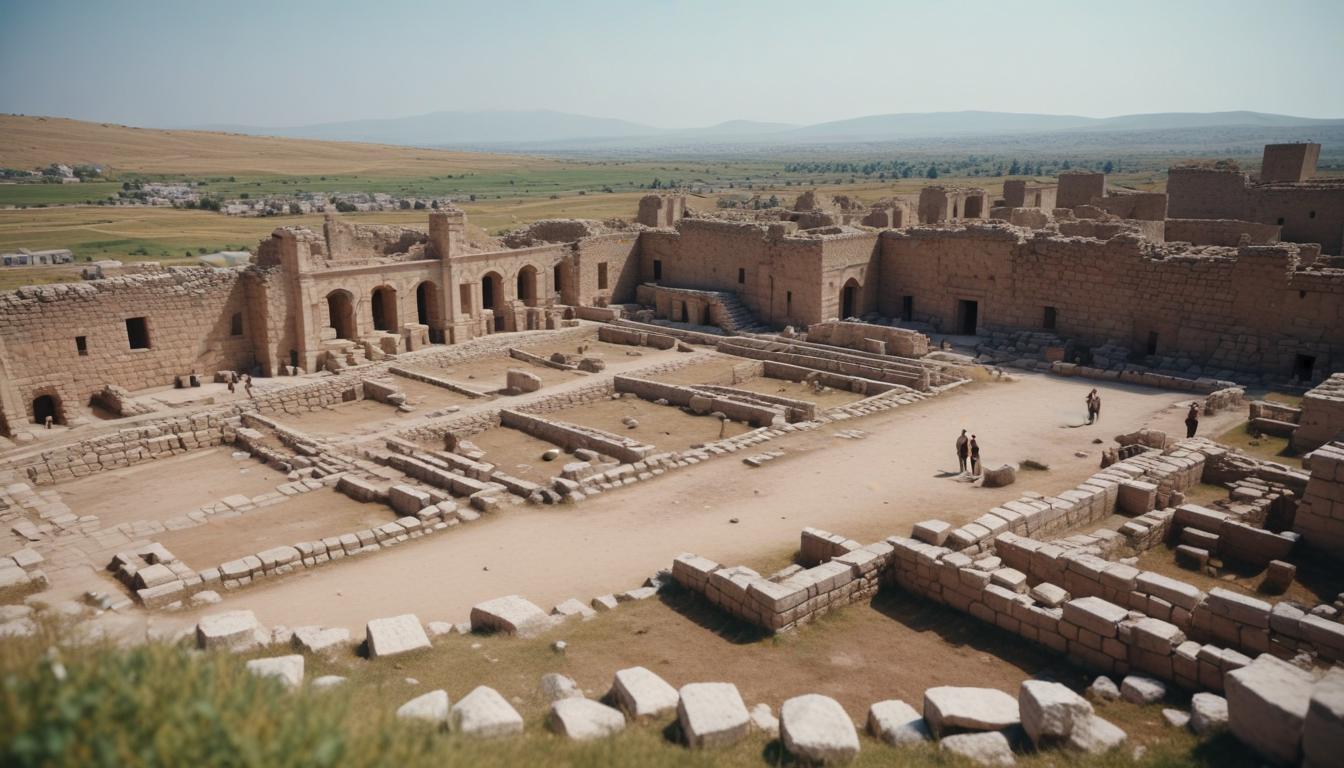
316 300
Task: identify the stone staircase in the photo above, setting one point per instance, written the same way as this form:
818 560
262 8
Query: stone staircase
735 317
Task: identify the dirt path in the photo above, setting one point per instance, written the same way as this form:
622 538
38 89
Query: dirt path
902 473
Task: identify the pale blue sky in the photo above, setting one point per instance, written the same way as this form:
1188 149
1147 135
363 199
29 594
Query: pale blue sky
665 63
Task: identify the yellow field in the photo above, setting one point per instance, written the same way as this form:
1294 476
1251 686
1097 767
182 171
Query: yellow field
31 142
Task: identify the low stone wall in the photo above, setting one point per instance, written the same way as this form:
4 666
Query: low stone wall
1320 516
705 401
573 437
856 384
1227 232
437 381
680 334
617 335
1143 377
882 339
913 376
1322 415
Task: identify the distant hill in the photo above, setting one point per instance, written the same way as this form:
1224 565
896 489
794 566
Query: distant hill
538 130
31 142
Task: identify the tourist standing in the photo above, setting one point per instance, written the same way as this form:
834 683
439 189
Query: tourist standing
963 450
1092 400
1192 420
975 457
247 384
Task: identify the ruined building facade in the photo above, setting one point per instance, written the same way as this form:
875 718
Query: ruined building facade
317 300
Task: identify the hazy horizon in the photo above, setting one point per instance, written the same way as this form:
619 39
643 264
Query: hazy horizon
661 64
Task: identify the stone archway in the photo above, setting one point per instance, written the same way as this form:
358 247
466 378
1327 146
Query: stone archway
527 285
849 299
492 291
341 313
384 308
429 308
48 404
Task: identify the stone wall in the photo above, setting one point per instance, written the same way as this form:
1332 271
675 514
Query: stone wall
1307 211
1228 232
1320 516
889 340
188 318
1322 417
1252 309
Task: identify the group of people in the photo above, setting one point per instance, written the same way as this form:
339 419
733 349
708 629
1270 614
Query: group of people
968 451
246 379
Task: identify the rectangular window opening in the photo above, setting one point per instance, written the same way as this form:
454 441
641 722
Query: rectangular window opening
82 345
236 324
602 276
907 308
137 332
1051 317
741 276
1152 343
657 269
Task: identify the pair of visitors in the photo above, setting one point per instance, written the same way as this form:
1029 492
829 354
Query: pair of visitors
968 449
1093 407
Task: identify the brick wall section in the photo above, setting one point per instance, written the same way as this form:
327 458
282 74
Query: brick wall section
1308 211
1320 516
1322 415
1226 232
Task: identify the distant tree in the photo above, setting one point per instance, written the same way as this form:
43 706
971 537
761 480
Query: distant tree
1014 169
773 202
419 205
1065 165
244 195
345 207
1109 167
932 173
295 209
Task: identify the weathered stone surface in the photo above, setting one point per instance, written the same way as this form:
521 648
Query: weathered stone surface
951 707
397 634
519 381
989 749
511 615
816 729
572 608
1049 595
897 723
641 693
584 719
1323 729
555 686
1208 713
1103 689
1049 711
1000 476
712 715
1267 703
484 713
1094 736
235 630
286 669
318 639
431 707
763 720
1175 718
1138 689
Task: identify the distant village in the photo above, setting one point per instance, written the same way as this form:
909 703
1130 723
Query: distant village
187 195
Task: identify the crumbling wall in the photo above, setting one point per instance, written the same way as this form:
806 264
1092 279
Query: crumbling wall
1226 232
892 341
1322 415
1320 516
348 241
1079 188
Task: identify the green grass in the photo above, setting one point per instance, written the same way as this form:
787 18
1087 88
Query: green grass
57 194
163 705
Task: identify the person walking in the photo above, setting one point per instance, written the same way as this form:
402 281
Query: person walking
975 457
1092 400
232 381
247 384
1192 420
963 450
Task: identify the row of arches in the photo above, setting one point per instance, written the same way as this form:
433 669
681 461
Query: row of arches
383 308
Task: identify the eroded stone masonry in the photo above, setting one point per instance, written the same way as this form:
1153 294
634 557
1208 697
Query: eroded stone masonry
398 385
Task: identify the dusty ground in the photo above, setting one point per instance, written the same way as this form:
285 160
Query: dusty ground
902 473
490 374
667 427
155 490
304 517
713 369
519 454
357 417
827 398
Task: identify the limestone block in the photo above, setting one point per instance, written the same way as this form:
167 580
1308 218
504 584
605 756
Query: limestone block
933 532
408 500
519 382
988 749
430 707
1135 497
816 729
897 723
1175 717
397 634
318 639
555 686
951 707
1049 595
642 693
153 576
572 608
511 615
1323 730
1208 713
486 714
1000 476
234 630
1138 689
712 715
1267 703
286 669
1095 615
1094 736
1049 711
584 719
763 720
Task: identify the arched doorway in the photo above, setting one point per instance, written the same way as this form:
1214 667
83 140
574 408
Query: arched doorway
849 299
558 279
384 308
427 308
527 285
341 313
491 286
47 405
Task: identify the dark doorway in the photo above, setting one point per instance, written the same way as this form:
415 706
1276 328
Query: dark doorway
968 317
527 286
907 308
1303 367
422 303
44 406
341 314
137 332
384 308
685 312
1051 317
1151 346
489 291
973 205
849 299
657 269
557 276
